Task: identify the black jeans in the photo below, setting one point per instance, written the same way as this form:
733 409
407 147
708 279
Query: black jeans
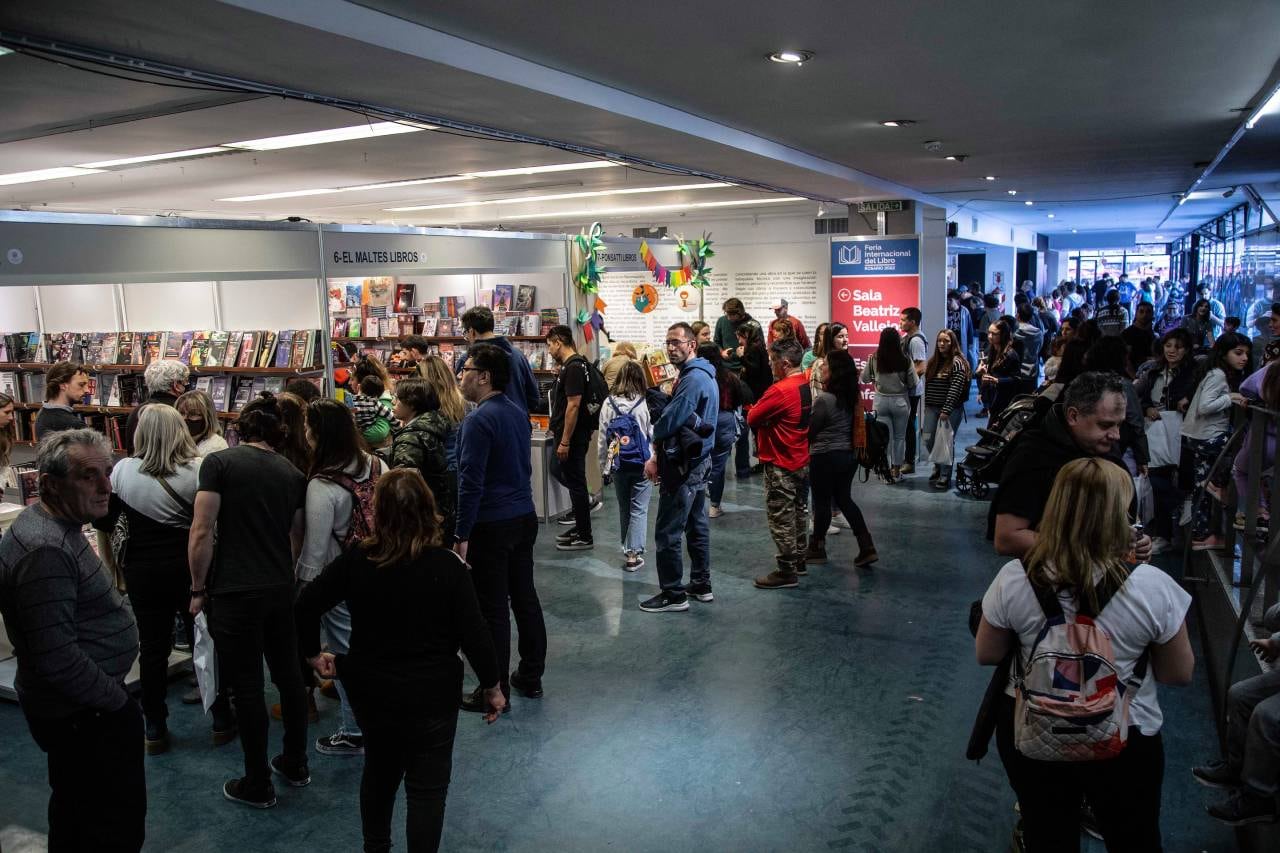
572 474
419 751
247 627
913 419
156 593
98 792
1124 793
831 481
501 558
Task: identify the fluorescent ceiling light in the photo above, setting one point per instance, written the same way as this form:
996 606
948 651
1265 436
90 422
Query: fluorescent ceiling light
562 196
336 134
1028 202
46 175
1012 192
538 170
4 51
332 190
1272 105
992 178
151 158
620 211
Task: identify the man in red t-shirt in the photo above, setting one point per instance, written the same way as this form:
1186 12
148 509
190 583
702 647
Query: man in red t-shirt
781 420
780 313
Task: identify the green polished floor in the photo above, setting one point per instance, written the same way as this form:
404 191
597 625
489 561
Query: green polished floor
829 717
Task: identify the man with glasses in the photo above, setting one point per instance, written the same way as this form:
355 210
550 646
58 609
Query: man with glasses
684 442
496 525
477 327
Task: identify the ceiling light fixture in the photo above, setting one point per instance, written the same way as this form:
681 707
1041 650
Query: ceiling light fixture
563 196
1028 202
790 57
151 158
1051 216
46 175
540 170
621 211
1159 237
1271 105
992 178
897 122
4 51
957 158
1075 231
335 134
1012 192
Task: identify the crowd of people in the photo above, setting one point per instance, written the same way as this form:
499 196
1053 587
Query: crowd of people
358 547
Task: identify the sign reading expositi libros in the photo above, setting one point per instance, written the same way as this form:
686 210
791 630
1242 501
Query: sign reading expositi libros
872 280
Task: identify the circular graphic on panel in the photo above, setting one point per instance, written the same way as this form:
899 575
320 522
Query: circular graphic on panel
644 298
689 297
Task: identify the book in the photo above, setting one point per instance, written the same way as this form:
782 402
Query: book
199 348
249 349
370 327
406 295
339 329
124 348
94 354
445 327
448 306
337 298
273 385
217 349
184 348
260 385
388 327
205 384
173 344
354 295
486 298
504 296
406 324
33 387
298 355
525 298
284 348
152 349
377 293
110 390
550 317
244 393
110 344
233 349
218 391
429 326
9 386
267 352
446 353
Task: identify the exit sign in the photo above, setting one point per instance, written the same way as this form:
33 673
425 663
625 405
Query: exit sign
882 206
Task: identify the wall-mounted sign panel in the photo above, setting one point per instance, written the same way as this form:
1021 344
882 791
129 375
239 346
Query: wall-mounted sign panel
356 253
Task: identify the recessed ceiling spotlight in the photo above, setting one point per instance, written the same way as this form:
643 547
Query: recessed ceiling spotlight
1051 216
1075 231
956 158
992 178
1028 202
1012 192
791 57
897 122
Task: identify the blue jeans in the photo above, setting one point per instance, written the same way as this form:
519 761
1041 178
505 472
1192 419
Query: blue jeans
684 511
719 461
929 426
633 492
337 628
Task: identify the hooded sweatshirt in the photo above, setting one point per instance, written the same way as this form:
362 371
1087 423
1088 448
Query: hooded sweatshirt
522 388
696 393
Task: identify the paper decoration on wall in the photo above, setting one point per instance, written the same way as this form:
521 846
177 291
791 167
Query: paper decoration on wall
662 275
586 248
593 323
644 298
689 297
694 254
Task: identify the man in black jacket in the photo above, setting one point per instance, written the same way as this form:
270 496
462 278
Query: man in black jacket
166 381
65 386
477 327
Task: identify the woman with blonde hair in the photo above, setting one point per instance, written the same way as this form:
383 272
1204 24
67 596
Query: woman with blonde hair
155 491
623 352
1078 571
6 436
412 607
196 407
453 406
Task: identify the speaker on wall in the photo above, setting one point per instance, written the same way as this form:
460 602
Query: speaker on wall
953 230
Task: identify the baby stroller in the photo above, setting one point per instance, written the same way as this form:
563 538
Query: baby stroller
983 463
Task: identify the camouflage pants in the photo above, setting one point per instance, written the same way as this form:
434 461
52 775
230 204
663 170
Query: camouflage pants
786 496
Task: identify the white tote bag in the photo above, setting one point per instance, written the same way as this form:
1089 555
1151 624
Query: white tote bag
944 439
1164 440
205 662
1146 498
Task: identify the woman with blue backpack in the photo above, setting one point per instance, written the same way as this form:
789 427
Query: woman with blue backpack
730 422
1088 635
625 442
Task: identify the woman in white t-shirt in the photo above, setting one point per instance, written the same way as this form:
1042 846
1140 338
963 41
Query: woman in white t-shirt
1084 537
196 407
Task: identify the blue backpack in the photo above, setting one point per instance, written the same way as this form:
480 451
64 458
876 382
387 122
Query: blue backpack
627 443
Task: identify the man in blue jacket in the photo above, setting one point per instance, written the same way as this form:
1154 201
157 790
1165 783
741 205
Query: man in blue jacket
496 523
477 327
682 506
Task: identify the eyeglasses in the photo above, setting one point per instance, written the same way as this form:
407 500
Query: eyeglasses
465 368
675 342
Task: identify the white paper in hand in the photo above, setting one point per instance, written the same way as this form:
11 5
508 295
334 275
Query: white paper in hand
205 662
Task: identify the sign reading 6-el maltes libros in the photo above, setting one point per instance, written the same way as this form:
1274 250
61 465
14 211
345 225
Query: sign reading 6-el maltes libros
872 280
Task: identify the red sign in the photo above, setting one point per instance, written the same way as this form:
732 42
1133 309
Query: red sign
868 303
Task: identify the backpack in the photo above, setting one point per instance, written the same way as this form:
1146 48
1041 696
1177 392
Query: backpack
361 525
1071 704
627 443
595 392
874 458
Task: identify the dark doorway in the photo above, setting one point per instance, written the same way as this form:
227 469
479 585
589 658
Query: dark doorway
971 269
1026 268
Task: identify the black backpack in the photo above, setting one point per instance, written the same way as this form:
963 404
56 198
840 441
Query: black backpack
874 458
595 393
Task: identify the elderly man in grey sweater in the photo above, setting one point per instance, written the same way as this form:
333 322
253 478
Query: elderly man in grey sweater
75 640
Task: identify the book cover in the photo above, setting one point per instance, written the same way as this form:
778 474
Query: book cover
298 354
504 296
267 352
173 344
445 327
233 349
406 325
152 347
249 349
550 317
446 353
354 295
406 295
273 385
184 348
139 348
448 306
113 391
124 348
218 391
33 387
531 325
376 292
339 329
525 297
429 326
205 384
217 350
9 386
370 327
244 393
337 298
388 327
486 298
284 348
107 390
199 347
94 354
36 350
90 397
260 385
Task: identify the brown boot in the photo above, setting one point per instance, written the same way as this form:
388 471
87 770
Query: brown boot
778 580
866 552
817 551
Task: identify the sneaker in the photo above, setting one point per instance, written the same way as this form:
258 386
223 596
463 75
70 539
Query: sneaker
1244 808
1216 774
526 686
838 520
575 543
596 506
1209 543
715 511
566 520
340 743
236 791
1263 521
833 530
313 713
156 737
567 535
1159 545
634 563
700 592
666 601
298 776
777 580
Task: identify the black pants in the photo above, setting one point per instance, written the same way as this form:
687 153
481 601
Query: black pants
247 627
913 418
501 558
156 593
831 480
572 474
419 751
1124 793
98 793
